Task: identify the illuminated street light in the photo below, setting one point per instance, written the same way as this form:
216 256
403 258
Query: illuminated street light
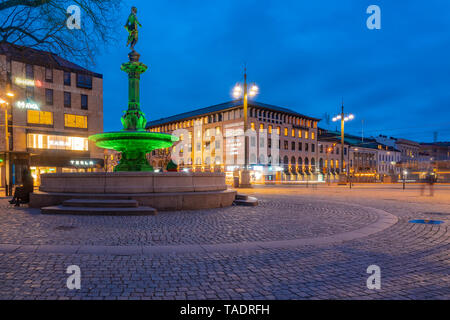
344 118
10 94
241 91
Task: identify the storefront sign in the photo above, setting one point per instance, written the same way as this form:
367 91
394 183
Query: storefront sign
84 163
27 105
27 82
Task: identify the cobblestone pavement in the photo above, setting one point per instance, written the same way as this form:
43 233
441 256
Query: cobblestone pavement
414 259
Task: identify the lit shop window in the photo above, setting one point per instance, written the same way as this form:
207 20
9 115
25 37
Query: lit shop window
43 141
74 121
39 117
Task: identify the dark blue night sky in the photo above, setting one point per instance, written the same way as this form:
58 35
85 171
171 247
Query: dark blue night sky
304 55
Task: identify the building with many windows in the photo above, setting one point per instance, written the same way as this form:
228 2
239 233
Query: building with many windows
367 159
409 150
55 106
282 143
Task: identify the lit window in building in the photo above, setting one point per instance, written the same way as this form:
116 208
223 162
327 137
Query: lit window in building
278 130
43 141
285 132
217 130
261 127
306 134
270 129
299 133
293 132
312 135
39 117
75 121
252 126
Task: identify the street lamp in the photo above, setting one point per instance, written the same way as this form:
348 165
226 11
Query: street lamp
8 101
343 118
241 91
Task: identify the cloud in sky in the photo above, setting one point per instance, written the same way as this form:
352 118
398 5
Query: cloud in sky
304 55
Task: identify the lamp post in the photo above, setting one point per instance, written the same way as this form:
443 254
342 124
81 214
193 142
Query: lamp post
344 118
238 92
7 103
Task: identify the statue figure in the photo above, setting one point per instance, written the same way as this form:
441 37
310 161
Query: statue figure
132 28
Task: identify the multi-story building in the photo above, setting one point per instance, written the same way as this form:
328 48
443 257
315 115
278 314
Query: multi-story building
53 106
436 151
282 143
409 150
368 159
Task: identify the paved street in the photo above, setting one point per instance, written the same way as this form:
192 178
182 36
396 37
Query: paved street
299 243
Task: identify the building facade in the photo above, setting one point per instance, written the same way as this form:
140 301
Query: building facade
409 150
52 107
282 144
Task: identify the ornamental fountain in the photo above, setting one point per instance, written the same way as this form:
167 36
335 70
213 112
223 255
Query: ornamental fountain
133 188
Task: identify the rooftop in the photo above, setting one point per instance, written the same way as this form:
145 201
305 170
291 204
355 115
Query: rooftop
42 58
221 107
353 140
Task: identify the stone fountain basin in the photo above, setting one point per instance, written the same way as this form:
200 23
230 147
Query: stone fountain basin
133 140
160 190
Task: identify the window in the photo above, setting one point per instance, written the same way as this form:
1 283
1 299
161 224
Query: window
84 81
261 127
299 133
67 99
48 75
29 92
29 72
252 126
286 145
313 147
306 134
39 117
312 135
84 102
293 146
49 97
299 146
43 141
75 121
306 146
285 132
270 129
67 78
321 148
278 130
293 132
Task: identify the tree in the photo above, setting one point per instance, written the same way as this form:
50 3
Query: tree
42 24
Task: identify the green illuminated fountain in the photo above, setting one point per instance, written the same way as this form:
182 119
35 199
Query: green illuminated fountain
133 141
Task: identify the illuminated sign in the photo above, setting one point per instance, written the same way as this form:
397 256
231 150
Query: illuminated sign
27 105
28 82
82 163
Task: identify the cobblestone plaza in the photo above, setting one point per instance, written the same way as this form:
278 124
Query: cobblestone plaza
299 243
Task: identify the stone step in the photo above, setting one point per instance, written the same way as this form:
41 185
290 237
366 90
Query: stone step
101 203
250 202
240 196
94 211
